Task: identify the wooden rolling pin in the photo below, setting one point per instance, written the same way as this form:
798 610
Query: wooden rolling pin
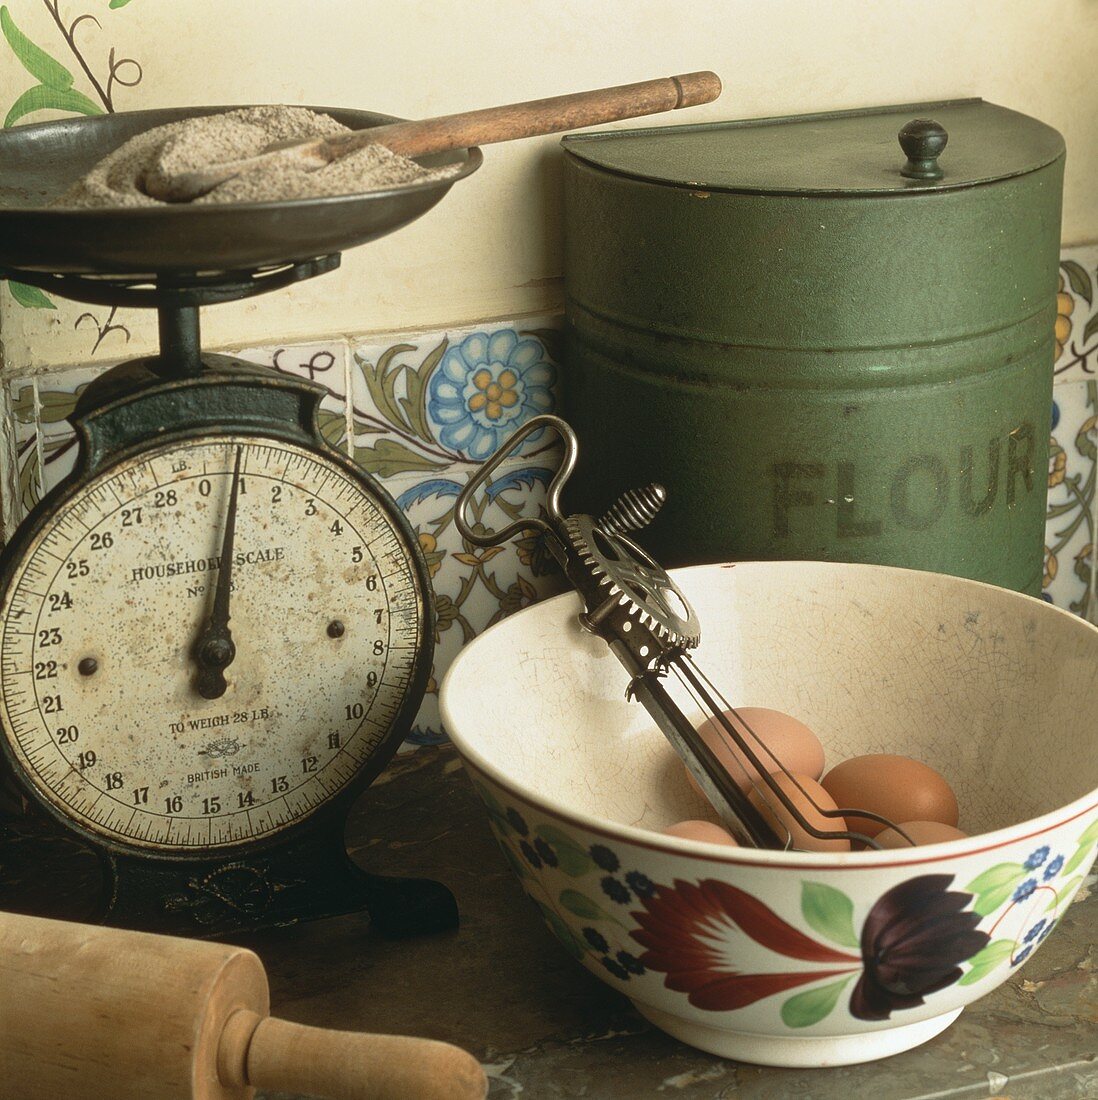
89 1013
436 135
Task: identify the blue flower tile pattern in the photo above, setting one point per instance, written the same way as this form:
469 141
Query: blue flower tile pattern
488 386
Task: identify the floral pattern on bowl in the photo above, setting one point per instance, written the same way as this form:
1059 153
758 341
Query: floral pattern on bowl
921 936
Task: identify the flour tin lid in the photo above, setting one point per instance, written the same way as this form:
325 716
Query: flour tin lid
946 145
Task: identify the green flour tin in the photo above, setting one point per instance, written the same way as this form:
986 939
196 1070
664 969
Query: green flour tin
825 345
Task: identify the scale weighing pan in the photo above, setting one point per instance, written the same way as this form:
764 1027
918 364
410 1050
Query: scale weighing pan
40 162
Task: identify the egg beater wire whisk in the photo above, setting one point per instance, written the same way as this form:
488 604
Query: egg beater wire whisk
631 603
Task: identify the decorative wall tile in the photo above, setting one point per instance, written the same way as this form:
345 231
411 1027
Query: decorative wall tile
1077 314
1070 528
476 586
432 400
324 363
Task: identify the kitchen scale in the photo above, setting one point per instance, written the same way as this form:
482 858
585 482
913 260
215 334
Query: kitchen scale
215 633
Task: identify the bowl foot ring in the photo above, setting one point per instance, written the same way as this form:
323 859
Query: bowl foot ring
800 1052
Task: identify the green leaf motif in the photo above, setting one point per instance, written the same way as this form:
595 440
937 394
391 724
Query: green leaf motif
994 886
41 98
830 912
572 944
34 59
332 426
55 406
381 382
415 404
28 481
572 859
30 297
1065 893
1084 851
387 457
23 406
582 906
985 961
1090 327
1079 280
813 1005
115 4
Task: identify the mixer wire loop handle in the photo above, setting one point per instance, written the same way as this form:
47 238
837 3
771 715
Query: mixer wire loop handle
552 501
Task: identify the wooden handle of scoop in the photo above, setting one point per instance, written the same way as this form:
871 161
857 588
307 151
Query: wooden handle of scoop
537 116
265 1052
436 135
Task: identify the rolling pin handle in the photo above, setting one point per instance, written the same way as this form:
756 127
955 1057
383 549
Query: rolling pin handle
343 1065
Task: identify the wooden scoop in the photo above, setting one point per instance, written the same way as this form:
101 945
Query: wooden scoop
436 135
88 1013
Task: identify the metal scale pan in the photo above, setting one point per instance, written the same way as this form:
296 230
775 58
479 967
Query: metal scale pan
39 162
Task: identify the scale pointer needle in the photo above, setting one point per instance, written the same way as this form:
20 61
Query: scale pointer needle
215 649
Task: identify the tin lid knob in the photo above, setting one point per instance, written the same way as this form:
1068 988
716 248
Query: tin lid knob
923 140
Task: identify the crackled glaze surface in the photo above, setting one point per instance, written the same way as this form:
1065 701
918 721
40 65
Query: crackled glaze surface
714 945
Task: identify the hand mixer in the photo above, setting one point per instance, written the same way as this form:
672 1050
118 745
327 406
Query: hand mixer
633 605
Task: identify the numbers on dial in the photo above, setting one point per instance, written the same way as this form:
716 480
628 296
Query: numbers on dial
327 617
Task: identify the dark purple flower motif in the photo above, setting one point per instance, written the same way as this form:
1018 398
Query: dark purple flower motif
517 821
531 856
630 962
1035 931
604 858
1022 955
616 969
641 885
913 942
1036 858
546 852
596 939
1024 890
1053 869
614 889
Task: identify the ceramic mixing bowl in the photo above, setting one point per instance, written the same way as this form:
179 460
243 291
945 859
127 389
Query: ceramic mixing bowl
790 958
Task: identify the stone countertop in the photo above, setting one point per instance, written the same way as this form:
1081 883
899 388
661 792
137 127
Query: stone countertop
501 986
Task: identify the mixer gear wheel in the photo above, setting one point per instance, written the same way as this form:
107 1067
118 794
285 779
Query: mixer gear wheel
641 584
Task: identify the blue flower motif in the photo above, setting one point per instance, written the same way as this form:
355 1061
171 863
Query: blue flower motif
1053 869
596 939
1037 857
1021 956
630 962
640 884
547 852
1035 931
1044 934
616 969
486 387
517 821
530 855
604 857
1025 889
614 889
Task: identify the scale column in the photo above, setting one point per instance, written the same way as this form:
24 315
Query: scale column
179 339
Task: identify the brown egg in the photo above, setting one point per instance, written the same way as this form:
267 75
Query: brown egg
896 787
704 831
797 748
921 832
778 816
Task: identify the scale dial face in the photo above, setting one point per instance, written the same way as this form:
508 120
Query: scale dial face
109 602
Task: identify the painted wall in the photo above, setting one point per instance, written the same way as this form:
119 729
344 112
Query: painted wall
473 289
492 249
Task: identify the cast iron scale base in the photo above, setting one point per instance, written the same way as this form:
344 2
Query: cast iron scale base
312 625
302 872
